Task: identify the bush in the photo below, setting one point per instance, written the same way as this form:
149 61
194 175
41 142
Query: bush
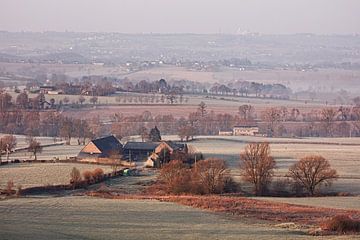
75 176
342 224
207 177
87 175
98 173
176 177
10 187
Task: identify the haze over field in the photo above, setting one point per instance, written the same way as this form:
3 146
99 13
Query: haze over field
185 16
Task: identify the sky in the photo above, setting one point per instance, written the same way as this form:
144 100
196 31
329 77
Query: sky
182 16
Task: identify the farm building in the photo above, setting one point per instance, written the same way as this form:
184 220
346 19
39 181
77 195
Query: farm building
166 151
172 147
105 147
227 132
245 130
138 151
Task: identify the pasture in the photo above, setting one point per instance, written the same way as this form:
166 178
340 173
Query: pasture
93 218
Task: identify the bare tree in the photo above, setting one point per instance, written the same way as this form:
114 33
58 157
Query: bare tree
9 142
272 117
34 147
211 175
257 166
311 172
245 112
202 109
328 117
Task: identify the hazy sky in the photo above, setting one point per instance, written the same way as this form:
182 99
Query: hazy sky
182 16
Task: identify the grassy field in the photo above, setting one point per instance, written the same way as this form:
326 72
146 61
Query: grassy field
344 158
92 218
41 174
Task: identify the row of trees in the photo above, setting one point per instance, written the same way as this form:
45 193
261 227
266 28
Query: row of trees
245 88
273 122
309 173
52 124
212 176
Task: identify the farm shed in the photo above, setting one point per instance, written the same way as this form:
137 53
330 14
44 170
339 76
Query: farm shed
105 147
139 151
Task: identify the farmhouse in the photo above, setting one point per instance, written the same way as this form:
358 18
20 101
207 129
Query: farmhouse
105 147
141 151
245 130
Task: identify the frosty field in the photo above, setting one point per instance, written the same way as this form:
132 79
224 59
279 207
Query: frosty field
41 174
92 218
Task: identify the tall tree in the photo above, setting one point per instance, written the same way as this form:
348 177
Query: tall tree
9 142
272 117
202 109
34 147
245 112
257 166
328 118
155 135
311 172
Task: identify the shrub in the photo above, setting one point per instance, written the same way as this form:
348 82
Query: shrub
342 224
87 175
19 190
75 176
209 176
176 177
9 187
98 173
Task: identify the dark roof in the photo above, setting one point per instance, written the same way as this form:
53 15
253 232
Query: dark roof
147 146
176 146
245 125
108 143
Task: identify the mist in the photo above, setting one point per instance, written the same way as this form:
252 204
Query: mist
185 16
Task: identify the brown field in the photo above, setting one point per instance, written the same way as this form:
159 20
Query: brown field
327 202
229 106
